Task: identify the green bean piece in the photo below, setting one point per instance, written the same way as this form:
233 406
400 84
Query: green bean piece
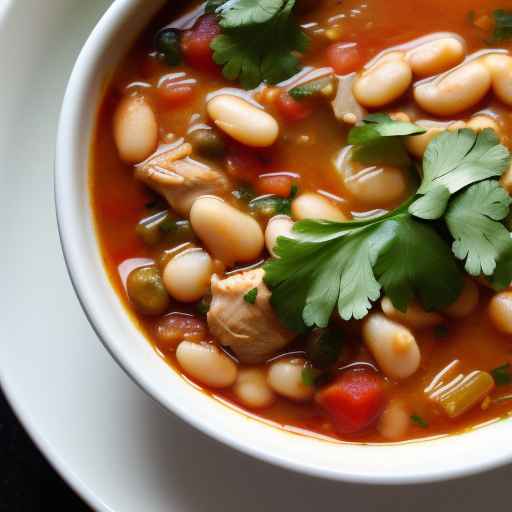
147 292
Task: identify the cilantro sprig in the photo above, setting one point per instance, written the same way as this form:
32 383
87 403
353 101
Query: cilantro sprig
346 266
259 40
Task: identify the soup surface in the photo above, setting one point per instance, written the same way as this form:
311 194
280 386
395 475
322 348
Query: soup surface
386 317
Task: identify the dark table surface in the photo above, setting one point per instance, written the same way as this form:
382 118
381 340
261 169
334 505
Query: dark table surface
27 482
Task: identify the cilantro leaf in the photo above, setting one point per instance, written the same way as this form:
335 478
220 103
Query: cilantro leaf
382 151
269 206
502 375
417 262
432 205
253 53
473 220
241 13
502 25
250 296
381 125
458 159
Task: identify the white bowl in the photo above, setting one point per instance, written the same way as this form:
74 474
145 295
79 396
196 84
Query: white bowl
429 460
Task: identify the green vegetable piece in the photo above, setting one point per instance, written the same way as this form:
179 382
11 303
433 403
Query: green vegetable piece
376 126
432 205
148 229
147 292
261 52
207 143
250 296
458 159
311 89
311 376
415 418
176 231
268 206
502 375
324 347
168 44
473 220
502 25
203 306
243 13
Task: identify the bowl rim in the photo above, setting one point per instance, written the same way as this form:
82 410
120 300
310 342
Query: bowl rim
72 113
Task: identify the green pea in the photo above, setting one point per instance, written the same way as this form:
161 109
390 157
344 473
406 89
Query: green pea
149 228
207 143
168 44
324 347
147 292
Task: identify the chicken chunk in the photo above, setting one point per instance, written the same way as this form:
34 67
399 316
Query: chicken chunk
181 180
253 331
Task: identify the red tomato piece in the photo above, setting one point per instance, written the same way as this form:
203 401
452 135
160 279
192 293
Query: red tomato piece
344 58
195 43
354 400
293 110
277 185
177 92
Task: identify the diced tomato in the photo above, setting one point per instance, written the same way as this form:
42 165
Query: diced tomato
293 110
173 328
176 92
243 163
354 400
195 43
277 185
344 58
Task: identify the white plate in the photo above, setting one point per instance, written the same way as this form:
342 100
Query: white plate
117 448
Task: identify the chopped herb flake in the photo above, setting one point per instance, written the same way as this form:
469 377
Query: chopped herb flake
502 375
250 296
415 418
502 25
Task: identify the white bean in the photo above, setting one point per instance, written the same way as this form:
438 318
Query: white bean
467 301
415 316
454 91
481 122
252 390
384 82
242 121
500 66
187 276
417 144
229 234
207 364
436 56
394 421
392 345
285 378
135 129
375 186
279 225
315 206
500 311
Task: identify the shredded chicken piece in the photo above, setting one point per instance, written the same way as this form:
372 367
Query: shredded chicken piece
180 179
253 331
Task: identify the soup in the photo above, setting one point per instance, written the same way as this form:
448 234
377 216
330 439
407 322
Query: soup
305 208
